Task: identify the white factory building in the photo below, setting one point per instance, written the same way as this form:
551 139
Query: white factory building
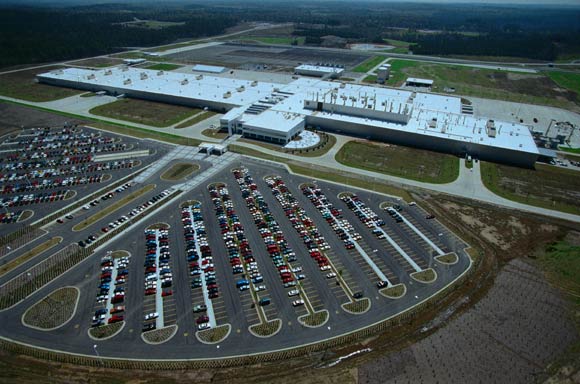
318 70
279 112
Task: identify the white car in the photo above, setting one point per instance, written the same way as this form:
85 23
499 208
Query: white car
258 288
331 275
297 303
325 268
202 326
297 269
151 316
293 292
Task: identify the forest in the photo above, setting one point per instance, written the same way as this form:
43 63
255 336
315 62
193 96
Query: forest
47 33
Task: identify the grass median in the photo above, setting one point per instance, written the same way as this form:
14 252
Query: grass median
54 310
546 186
179 171
30 255
113 207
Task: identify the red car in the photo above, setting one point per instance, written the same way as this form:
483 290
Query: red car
115 319
166 293
150 291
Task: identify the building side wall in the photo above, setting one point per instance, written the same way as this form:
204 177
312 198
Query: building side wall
483 152
171 99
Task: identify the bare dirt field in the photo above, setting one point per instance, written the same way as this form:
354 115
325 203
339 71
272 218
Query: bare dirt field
13 117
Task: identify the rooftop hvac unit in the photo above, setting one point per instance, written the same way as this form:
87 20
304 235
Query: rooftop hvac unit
160 73
241 89
342 85
91 76
184 82
227 94
127 81
108 72
254 83
198 77
490 128
144 76
124 68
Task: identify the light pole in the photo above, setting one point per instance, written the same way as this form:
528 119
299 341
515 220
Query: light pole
97 353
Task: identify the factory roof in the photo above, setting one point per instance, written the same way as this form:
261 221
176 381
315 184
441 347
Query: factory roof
284 113
274 120
202 87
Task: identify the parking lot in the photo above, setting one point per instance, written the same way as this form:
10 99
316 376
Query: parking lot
45 169
282 259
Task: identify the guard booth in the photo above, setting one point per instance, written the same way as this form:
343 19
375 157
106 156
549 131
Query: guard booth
213 148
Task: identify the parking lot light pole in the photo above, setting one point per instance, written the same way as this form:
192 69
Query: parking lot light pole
97 353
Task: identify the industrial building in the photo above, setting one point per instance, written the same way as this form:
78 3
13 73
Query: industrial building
383 73
279 112
319 71
416 82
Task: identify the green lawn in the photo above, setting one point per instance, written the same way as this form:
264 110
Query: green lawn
145 112
571 150
562 262
566 80
406 162
196 119
370 79
369 64
22 85
487 83
546 186
164 67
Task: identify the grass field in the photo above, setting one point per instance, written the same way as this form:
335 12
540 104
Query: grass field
164 67
196 119
547 186
571 150
179 171
98 62
562 262
22 85
145 112
400 46
409 163
502 85
370 79
276 40
369 64
568 80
